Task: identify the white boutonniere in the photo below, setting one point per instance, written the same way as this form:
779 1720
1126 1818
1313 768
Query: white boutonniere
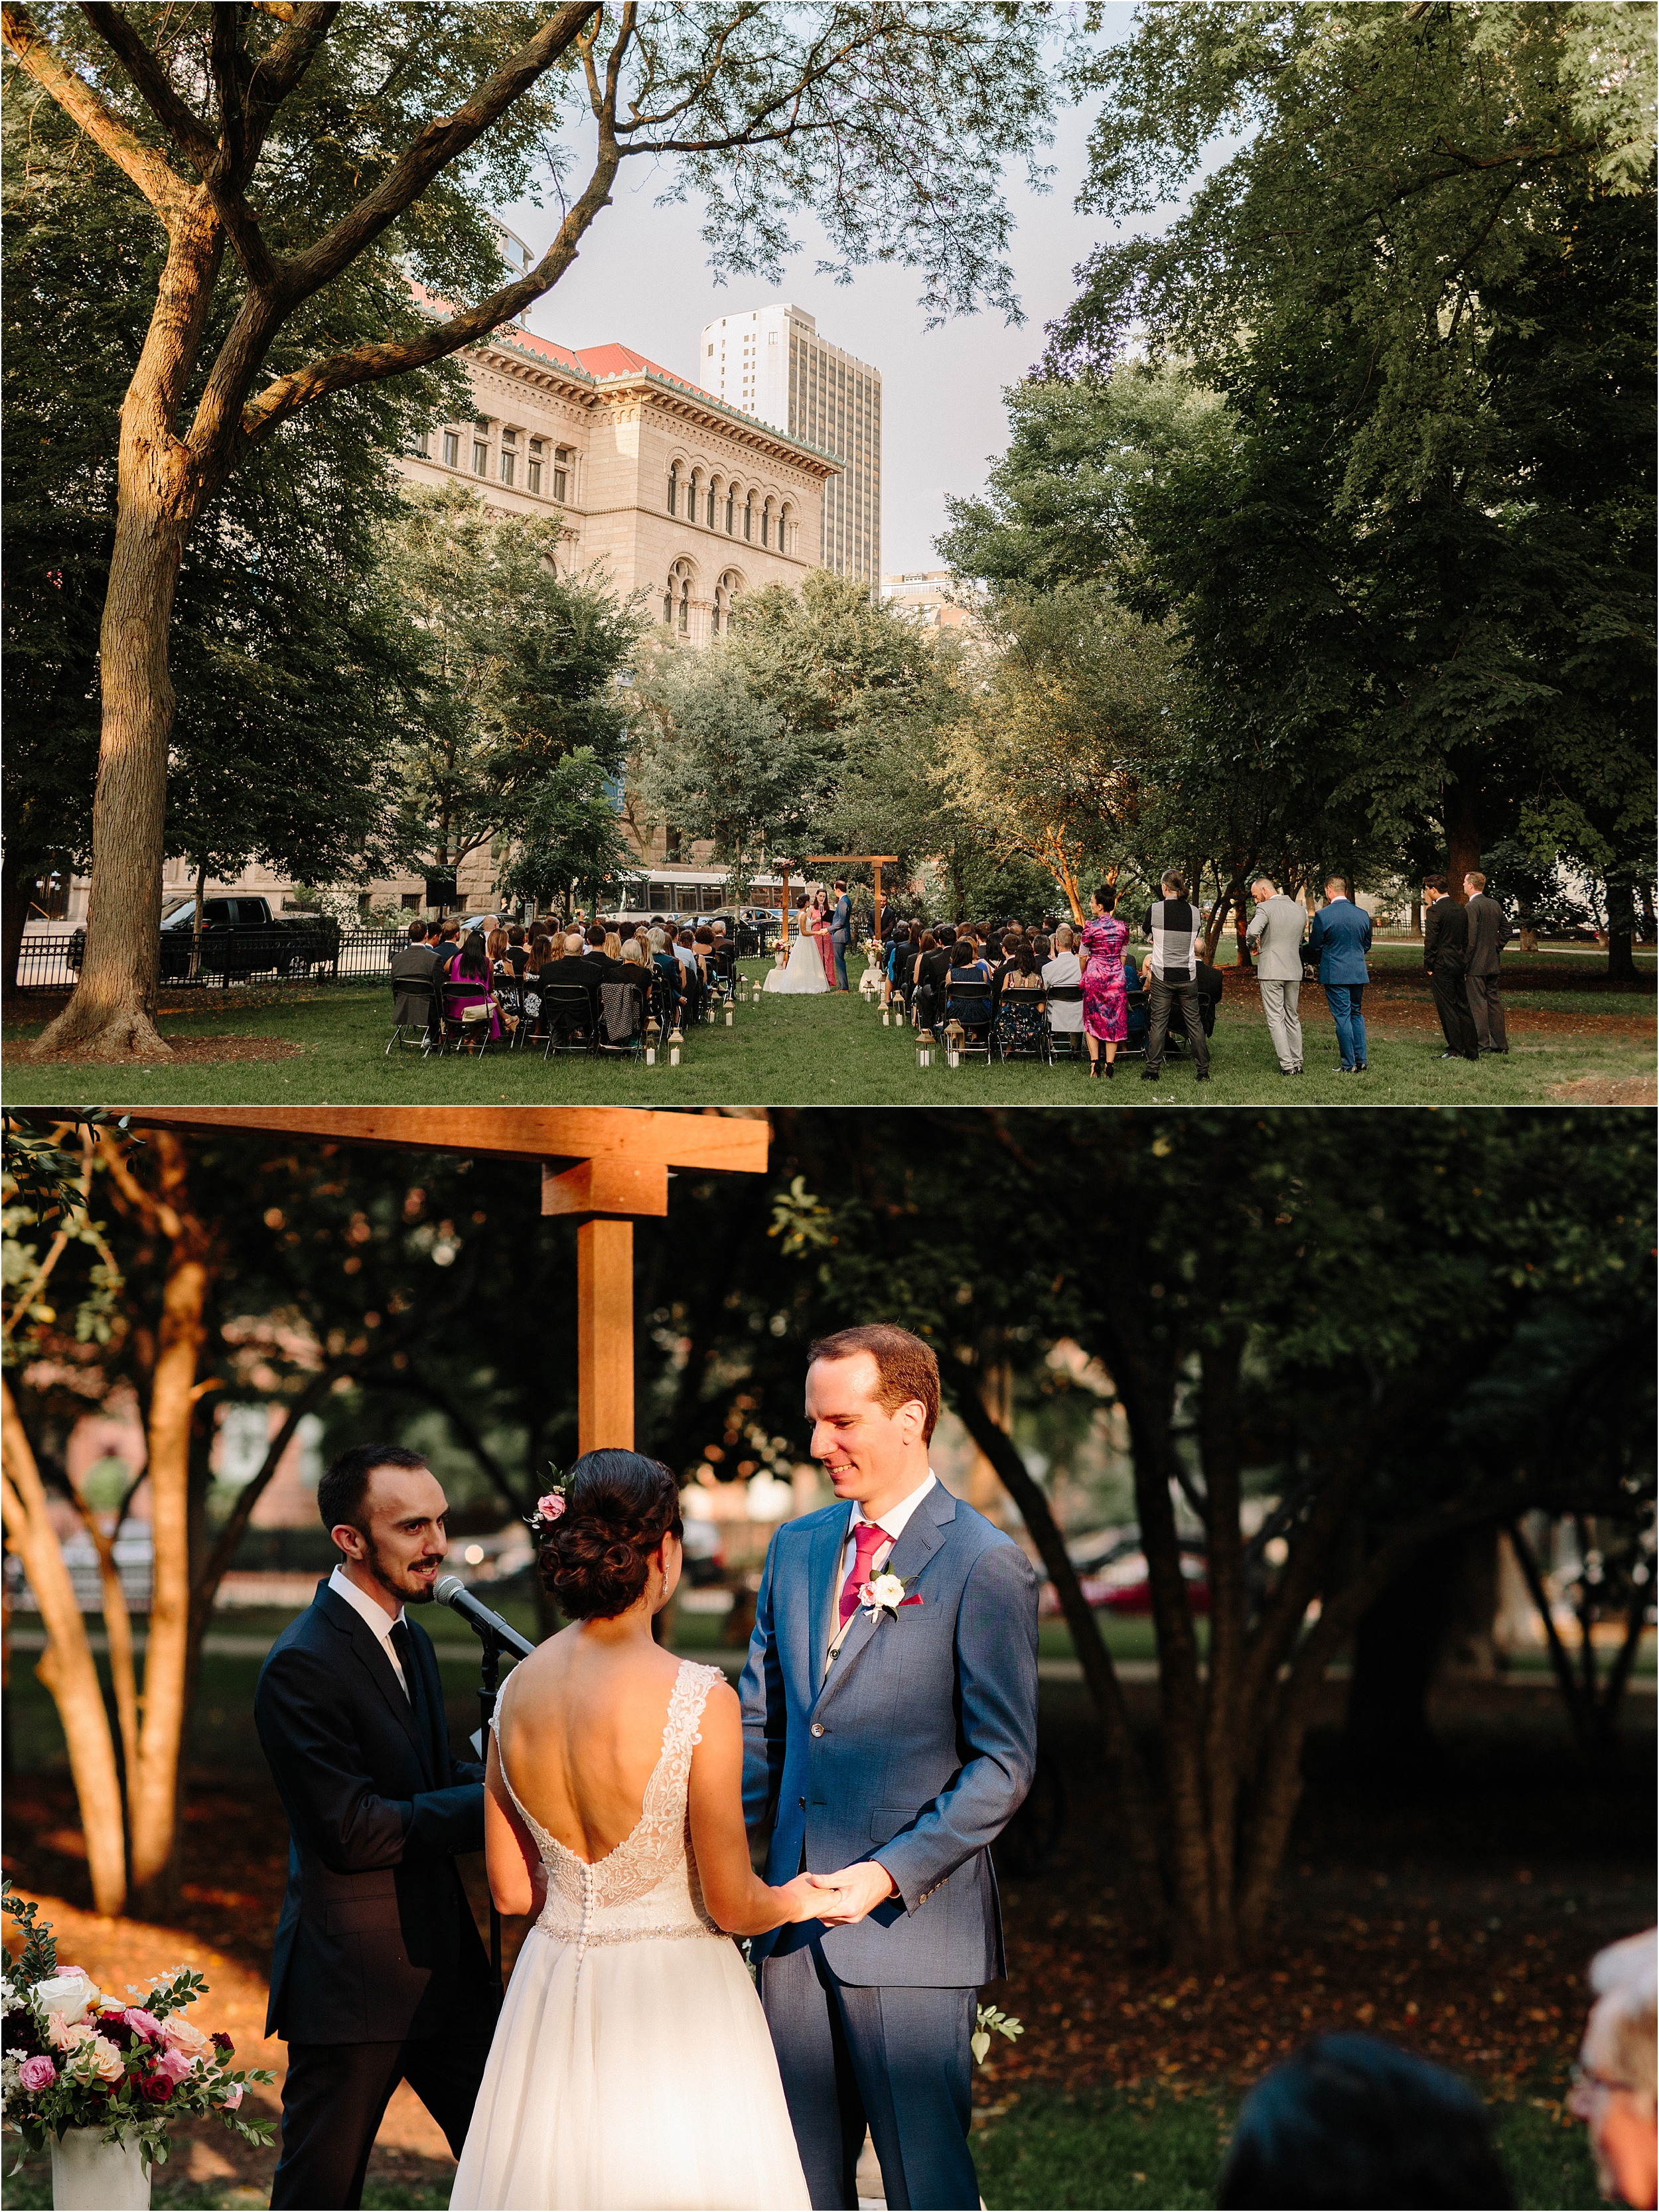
885 1593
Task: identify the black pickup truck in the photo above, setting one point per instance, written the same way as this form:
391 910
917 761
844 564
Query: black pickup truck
241 937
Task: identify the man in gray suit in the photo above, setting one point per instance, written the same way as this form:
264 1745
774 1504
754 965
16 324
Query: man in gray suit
1277 928
1489 933
890 1733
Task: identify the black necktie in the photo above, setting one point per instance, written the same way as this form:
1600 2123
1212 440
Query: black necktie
403 1644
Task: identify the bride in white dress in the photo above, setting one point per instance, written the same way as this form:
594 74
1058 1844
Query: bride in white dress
804 973
631 2065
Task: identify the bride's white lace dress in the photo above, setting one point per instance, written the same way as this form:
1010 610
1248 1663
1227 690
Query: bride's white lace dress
631 2067
804 973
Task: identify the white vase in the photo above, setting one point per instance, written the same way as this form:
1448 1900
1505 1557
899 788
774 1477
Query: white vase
89 2175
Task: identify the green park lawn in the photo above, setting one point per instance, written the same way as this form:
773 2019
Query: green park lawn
326 1046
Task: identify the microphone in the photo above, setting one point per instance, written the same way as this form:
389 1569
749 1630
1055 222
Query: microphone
450 1589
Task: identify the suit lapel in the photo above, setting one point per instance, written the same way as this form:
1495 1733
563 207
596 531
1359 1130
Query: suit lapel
824 1581
371 1656
923 1534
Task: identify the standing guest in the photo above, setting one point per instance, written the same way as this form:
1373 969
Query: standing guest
1105 1004
379 1976
1349 2122
1174 927
1278 926
1446 957
1064 968
1489 933
1338 940
1613 2094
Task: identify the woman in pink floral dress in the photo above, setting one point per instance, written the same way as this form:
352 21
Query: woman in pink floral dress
1105 999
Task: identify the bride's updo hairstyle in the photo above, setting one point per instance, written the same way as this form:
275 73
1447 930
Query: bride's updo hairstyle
595 1560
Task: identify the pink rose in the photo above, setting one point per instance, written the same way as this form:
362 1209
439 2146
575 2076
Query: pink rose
37 2073
64 2034
109 2065
550 1507
143 2023
232 2096
172 2065
179 2034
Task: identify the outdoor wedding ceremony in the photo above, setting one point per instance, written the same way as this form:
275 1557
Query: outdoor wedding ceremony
828 955
1270 1755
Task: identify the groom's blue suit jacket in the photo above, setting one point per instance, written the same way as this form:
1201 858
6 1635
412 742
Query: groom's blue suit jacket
915 1748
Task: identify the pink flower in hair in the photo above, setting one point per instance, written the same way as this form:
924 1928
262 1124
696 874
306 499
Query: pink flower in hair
550 1507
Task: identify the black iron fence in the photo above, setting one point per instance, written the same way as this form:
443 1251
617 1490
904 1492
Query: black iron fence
323 953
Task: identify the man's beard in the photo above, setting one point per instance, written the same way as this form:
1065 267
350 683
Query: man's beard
372 1560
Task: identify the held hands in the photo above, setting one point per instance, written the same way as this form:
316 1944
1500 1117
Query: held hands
847 1897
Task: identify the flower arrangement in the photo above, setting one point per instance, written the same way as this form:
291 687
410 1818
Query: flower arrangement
74 2056
550 1508
885 1593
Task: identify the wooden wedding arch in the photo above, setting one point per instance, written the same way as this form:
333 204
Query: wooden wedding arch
604 1164
875 860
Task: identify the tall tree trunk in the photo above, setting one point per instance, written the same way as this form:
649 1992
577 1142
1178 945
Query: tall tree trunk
1462 818
1621 931
110 1016
174 1397
69 1670
195 924
1219 1430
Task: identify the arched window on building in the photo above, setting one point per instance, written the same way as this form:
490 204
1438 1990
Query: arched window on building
785 528
694 497
712 496
725 591
749 516
730 508
673 488
677 599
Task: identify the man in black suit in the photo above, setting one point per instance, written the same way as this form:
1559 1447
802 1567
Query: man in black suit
379 1975
1489 933
1445 956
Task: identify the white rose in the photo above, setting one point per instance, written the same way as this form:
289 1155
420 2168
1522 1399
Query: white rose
68 1995
886 1589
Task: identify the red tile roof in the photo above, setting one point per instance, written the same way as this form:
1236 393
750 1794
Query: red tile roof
623 361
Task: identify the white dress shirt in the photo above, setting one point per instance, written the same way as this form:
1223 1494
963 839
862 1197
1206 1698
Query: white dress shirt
376 1616
892 1521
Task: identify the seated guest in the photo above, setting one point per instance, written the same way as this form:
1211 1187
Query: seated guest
1351 2122
412 963
1066 969
1613 2094
495 950
599 943
449 944
515 956
470 984
965 960
612 941
933 966
1019 1025
691 973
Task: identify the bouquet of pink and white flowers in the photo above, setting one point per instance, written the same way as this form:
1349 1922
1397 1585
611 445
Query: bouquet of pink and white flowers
74 2056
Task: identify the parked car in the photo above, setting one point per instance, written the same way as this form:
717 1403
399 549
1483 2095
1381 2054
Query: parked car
241 937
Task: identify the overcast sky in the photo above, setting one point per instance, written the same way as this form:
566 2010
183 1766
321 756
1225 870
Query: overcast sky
642 280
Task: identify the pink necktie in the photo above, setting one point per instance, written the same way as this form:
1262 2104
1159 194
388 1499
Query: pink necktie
868 1538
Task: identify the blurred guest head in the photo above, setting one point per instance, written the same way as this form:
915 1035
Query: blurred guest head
1614 2094
1351 2122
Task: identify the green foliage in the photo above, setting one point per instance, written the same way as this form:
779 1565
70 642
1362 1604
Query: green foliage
567 840
521 671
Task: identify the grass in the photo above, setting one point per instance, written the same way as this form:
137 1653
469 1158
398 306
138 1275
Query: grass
835 1052
1109 2148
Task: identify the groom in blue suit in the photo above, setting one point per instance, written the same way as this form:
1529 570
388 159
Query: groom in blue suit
841 931
891 1742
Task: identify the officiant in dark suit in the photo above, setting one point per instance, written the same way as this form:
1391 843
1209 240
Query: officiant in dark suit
379 1975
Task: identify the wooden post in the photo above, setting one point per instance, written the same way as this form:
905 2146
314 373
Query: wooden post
877 906
604 1334
784 867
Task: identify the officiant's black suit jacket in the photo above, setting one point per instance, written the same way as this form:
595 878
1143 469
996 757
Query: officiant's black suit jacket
376 1943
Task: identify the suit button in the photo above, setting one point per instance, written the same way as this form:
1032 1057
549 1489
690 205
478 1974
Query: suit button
801 1801
817 1727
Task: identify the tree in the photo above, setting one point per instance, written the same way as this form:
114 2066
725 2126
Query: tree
292 660
1069 720
1262 1336
521 671
1433 240
568 838
712 762
326 149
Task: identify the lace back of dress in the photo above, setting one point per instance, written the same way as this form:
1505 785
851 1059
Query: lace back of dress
646 1888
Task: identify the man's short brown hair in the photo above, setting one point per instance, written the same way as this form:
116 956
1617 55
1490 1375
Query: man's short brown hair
1475 877
906 1368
